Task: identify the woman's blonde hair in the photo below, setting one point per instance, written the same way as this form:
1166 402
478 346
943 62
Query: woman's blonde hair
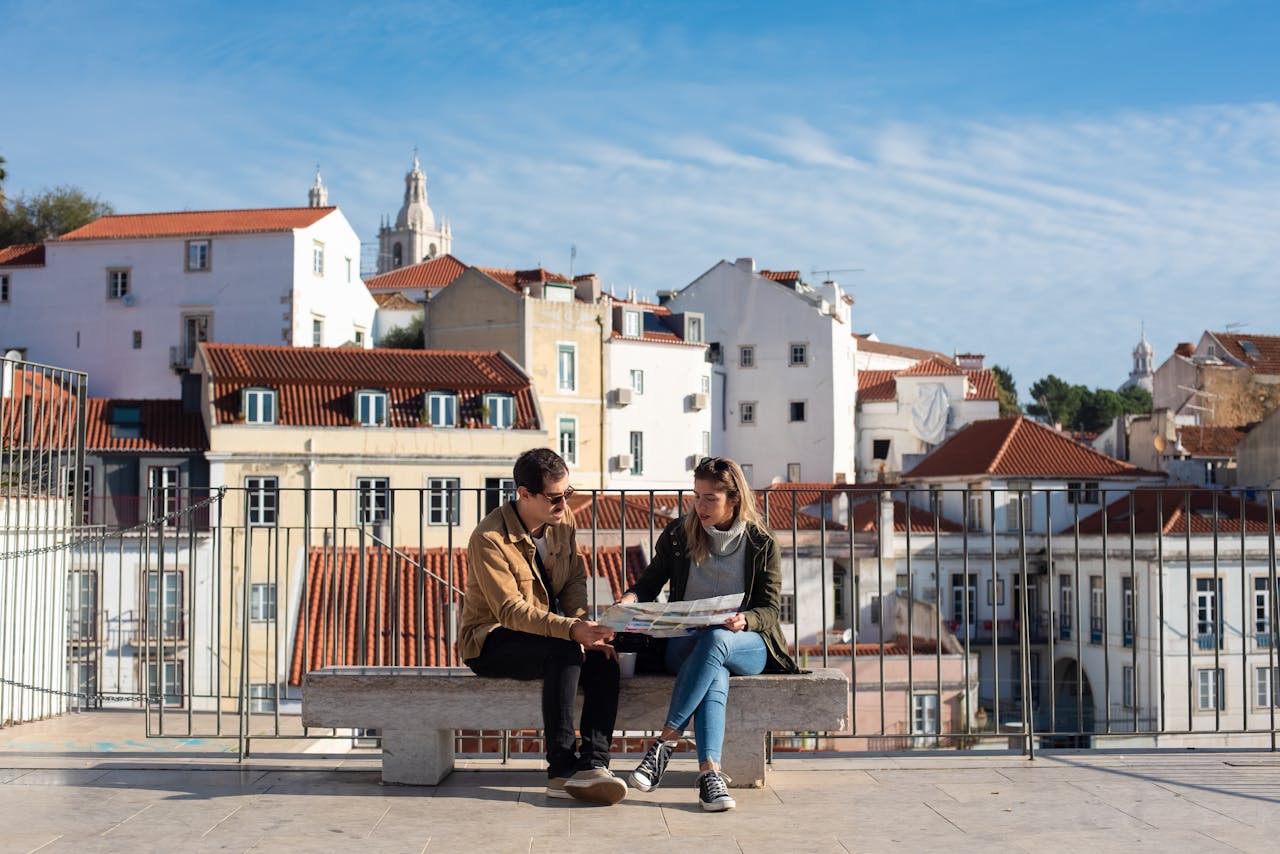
729 479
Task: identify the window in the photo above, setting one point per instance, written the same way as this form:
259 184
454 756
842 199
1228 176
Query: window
924 718
82 605
1018 507
137 339
371 408
126 422
964 598
637 381
995 591
195 329
1066 606
317 258
747 356
4 287
567 431
262 697
1127 614
1097 608
261 497
259 406
498 491
1208 617
69 489
793 472
172 682
839 595
164 613
373 500
706 444
746 412
442 409
500 410
879 449
747 469
348 260
198 256
637 452
977 505
1211 689
317 332
567 367
1128 688
397 255
787 608
693 330
1082 493
1261 612
1267 685
262 603
796 410
631 324
162 481
443 500
705 384
799 355
357 336
874 608
117 284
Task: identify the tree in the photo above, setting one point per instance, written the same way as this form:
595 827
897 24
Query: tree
51 213
407 337
1056 400
1007 392
1076 407
3 175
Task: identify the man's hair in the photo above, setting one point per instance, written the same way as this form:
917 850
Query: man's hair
536 466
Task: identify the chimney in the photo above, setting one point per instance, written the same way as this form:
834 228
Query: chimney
665 297
748 264
587 288
970 361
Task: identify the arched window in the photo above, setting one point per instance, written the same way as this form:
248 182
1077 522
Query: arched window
397 255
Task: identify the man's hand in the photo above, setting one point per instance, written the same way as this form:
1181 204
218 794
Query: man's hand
627 599
591 635
736 623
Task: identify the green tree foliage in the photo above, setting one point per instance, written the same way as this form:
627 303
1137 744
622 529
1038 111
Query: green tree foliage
407 337
3 175
1076 407
1007 392
34 218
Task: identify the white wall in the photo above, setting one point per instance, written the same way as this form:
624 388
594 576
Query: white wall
743 308
671 427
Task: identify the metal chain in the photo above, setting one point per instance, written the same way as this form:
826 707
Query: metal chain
106 698
111 535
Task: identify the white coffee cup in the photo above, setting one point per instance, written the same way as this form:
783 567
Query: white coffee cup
627 664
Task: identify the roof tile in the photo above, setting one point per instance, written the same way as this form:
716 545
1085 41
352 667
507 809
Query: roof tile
22 255
1170 510
197 223
435 273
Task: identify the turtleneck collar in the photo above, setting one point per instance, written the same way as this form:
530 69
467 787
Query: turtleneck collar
726 542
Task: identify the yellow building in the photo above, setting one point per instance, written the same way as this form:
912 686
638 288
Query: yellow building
555 329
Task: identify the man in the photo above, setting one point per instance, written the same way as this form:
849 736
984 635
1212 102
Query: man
525 618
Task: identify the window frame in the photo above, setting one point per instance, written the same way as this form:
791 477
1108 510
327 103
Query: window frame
1266 696
317 331
377 399
317 257
439 511
259 394
166 495
496 402
798 348
175 700
205 259
373 500
798 478
1208 612
792 411
568 451
747 413
498 491
631 323
442 399
262 500
171 624
636 444
1205 688
264 696
263 602
4 288
637 380
119 282
747 356
787 608
926 706
567 383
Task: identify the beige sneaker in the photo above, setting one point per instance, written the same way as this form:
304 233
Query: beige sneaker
555 788
597 786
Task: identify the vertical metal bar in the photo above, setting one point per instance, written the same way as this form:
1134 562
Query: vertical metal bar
822 576
1051 626
937 605
967 606
1273 593
995 598
879 601
1219 622
1106 615
1160 621
1244 617
1191 606
1132 610
1024 653
450 597
911 631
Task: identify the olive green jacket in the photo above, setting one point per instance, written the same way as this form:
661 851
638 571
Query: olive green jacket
762 571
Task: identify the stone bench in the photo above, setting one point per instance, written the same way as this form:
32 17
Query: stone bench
417 710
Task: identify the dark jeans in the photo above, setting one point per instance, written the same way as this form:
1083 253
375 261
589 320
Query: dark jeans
562 667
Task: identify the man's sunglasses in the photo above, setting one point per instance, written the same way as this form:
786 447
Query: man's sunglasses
714 463
559 497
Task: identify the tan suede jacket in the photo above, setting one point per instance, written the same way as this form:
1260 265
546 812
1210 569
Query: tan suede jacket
504 587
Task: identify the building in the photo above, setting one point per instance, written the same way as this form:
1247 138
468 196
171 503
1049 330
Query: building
1258 455
1195 454
1142 374
413 237
129 298
904 413
1226 378
552 328
783 375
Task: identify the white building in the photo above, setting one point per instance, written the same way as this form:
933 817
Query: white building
783 373
129 297
658 413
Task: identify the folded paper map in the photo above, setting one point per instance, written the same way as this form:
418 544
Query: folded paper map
671 619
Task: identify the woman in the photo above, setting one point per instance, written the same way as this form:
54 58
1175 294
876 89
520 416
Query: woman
720 548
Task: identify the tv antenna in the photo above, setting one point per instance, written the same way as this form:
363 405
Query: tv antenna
826 274
1238 324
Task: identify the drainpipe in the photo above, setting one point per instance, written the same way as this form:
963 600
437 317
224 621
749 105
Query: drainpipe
603 393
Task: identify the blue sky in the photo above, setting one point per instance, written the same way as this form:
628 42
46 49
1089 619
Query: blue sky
1032 180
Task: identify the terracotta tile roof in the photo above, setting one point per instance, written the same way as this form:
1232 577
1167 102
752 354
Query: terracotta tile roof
866 345
163 426
784 499
1017 447
982 385
606 509
1166 511
404 606
781 275
197 223
39 410
316 386
920 646
866 517
932 367
517 279
883 385
435 273
22 255
877 385
395 301
1259 352
1210 441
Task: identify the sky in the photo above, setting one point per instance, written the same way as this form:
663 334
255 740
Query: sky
1035 181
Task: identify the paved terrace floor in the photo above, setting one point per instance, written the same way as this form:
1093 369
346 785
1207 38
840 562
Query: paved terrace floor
91 782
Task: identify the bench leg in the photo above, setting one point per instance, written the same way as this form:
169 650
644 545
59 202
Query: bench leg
743 759
416 757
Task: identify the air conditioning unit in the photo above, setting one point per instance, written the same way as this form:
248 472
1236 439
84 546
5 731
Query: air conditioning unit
698 401
691 461
624 462
622 396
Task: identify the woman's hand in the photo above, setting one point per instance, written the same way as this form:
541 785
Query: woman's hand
736 623
627 599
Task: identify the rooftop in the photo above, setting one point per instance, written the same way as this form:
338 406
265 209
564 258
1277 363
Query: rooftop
22 255
1259 352
197 223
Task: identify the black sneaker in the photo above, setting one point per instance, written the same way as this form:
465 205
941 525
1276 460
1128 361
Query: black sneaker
713 792
648 773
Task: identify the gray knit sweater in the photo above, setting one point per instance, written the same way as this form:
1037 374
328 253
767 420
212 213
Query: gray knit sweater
722 572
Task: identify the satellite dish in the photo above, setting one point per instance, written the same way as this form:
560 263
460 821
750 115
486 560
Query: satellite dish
128 300
1160 444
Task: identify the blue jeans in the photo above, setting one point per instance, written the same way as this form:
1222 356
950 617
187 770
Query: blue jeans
702 664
